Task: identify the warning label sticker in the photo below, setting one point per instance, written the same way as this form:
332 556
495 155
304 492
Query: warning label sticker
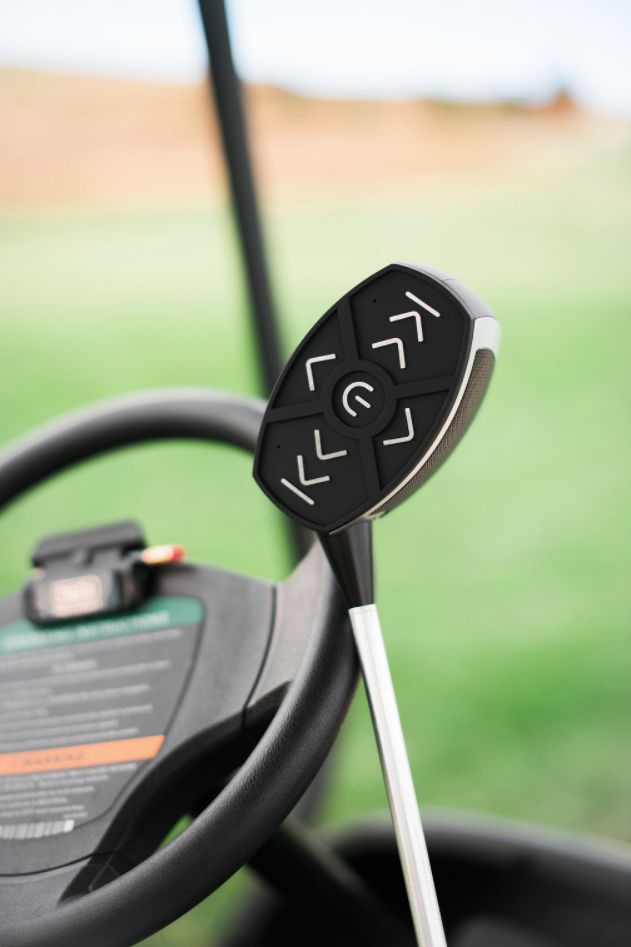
83 706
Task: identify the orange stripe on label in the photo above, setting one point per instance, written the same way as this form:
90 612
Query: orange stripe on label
81 755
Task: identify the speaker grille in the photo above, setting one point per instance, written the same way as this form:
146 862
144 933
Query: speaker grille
479 379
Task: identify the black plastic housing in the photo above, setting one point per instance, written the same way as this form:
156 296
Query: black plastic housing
369 397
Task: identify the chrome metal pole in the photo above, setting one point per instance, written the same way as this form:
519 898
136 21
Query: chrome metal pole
398 776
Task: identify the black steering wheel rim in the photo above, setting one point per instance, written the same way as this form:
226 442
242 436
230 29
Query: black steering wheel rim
290 752
153 415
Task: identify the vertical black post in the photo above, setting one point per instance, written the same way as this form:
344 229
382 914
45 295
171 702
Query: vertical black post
227 97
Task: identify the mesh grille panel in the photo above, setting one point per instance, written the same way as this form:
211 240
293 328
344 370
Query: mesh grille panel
476 389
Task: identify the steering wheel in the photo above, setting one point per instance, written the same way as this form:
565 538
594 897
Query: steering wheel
220 696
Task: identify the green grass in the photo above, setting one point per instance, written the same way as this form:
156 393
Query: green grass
504 584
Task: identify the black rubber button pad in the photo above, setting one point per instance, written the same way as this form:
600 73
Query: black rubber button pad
363 397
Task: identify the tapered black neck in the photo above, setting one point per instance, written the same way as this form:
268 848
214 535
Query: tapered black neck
350 555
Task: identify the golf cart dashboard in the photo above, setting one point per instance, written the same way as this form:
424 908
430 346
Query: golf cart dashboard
116 715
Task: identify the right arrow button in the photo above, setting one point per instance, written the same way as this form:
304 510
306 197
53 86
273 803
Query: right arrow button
411 428
404 438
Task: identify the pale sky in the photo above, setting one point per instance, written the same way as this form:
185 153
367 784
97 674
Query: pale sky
467 49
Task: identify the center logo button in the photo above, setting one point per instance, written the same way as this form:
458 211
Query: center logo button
360 398
360 401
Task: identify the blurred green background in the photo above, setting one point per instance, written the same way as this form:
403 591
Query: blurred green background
504 584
